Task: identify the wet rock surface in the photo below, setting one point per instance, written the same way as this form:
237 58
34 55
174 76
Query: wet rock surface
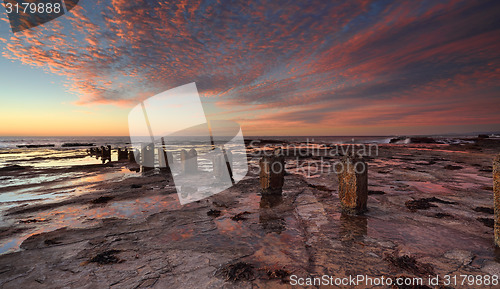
424 203
409 264
143 238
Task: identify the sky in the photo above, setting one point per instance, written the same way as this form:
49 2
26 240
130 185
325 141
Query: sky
275 67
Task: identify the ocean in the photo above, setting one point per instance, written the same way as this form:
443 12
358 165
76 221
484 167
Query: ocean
57 151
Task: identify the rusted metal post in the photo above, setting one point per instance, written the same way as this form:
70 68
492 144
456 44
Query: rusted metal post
496 195
272 173
353 185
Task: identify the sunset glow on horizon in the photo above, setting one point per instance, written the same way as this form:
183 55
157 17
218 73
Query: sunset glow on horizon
309 68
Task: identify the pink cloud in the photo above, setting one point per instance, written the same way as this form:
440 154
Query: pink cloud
345 64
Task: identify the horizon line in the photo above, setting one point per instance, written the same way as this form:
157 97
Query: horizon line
250 136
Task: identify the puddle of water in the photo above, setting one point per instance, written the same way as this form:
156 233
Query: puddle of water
429 188
122 174
44 158
75 186
380 163
431 239
10 200
274 235
475 177
71 184
437 150
32 179
51 163
84 216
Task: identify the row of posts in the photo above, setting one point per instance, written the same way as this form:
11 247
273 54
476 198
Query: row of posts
189 159
352 177
353 180
104 152
353 184
146 157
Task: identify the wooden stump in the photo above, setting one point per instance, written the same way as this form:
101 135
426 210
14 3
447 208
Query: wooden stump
131 156
122 154
189 161
105 153
272 173
108 152
164 159
222 163
353 185
147 157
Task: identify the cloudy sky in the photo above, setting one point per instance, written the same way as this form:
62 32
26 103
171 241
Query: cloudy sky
276 67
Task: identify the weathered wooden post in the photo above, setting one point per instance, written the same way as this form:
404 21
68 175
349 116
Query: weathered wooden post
184 157
132 154
272 173
164 159
147 157
107 155
218 162
98 152
353 184
189 161
122 154
102 153
193 160
222 162
92 151
496 195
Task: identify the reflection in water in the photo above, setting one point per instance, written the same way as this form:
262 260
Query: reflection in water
185 191
352 228
81 216
69 185
270 201
271 220
145 170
